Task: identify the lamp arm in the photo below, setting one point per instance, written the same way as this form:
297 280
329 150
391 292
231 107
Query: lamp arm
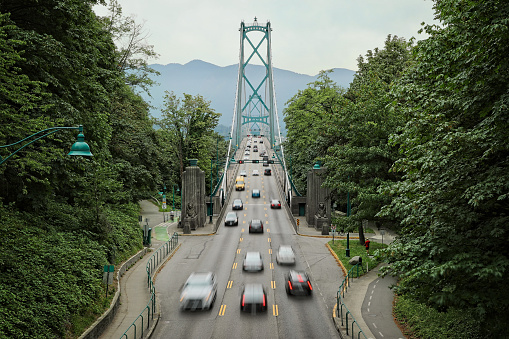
52 129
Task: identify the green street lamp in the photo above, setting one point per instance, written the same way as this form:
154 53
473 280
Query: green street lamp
80 147
178 190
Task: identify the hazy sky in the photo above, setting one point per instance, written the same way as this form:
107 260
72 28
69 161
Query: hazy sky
307 35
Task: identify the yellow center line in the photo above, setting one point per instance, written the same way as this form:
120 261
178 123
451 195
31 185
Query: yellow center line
230 284
234 266
241 239
242 231
271 265
268 239
270 250
275 310
273 284
222 310
268 230
238 250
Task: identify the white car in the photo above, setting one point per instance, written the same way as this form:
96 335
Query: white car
255 172
199 292
243 173
285 255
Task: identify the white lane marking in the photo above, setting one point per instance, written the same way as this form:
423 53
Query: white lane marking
374 325
381 334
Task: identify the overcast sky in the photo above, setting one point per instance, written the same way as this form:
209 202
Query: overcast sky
307 35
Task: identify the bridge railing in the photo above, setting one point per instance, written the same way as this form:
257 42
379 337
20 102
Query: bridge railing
346 316
142 323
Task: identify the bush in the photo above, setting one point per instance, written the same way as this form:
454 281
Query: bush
423 322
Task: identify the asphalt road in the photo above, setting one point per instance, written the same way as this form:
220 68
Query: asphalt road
296 317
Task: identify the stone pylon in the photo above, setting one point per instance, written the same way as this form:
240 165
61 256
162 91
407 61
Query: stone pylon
193 197
318 206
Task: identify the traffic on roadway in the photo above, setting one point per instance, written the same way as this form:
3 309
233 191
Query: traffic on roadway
246 293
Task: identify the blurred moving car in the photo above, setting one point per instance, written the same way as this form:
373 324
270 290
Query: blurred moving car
255 172
231 219
274 203
285 255
267 171
237 204
199 292
253 298
297 283
252 262
239 183
255 226
243 173
255 193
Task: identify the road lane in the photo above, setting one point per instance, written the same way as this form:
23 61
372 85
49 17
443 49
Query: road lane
223 253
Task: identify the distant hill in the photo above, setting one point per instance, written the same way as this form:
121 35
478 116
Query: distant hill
218 85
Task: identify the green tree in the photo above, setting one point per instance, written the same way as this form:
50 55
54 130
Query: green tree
133 50
189 124
359 160
454 197
306 118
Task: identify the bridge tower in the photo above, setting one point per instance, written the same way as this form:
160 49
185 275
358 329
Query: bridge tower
255 109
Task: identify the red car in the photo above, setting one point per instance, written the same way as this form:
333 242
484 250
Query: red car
274 203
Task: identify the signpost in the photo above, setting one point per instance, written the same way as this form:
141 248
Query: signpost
108 276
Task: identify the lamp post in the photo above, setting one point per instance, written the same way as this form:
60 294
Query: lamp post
178 190
80 147
348 233
210 206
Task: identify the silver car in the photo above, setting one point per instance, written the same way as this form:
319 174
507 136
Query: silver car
199 292
285 255
253 262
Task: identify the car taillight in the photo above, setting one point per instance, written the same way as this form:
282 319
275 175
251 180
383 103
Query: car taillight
243 299
278 205
272 205
309 284
290 284
264 300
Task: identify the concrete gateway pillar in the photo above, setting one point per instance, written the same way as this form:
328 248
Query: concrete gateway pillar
193 197
318 209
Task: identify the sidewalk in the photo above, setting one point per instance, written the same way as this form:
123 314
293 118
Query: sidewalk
134 292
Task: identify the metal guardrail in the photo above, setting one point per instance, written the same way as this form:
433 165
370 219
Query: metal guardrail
153 263
340 304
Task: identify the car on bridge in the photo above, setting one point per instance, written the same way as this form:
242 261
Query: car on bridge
239 183
255 172
237 204
252 262
285 255
199 292
274 203
267 171
253 298
298 283
255 193
255 226
231 219
243 173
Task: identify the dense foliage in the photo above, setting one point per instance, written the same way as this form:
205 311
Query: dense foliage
453 200
420 141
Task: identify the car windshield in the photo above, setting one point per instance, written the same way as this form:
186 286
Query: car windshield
199 280
256 222
285 250
231 215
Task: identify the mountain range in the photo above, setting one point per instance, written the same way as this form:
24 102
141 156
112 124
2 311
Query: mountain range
218 85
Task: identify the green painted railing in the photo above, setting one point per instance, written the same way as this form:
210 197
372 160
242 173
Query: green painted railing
148 312
340 305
